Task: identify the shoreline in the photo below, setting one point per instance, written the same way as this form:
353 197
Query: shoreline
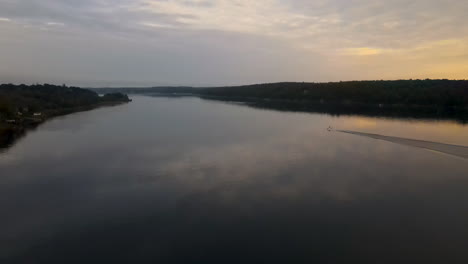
9 133
433 112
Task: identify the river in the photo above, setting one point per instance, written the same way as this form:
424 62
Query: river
186 180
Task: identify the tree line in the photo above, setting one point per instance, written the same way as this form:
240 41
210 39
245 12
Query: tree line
441 93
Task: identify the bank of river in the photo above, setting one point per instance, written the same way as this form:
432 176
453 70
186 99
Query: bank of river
11 130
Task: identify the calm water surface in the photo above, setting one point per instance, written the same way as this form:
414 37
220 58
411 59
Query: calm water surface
184 180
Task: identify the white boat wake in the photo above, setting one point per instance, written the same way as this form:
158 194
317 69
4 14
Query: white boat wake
455 150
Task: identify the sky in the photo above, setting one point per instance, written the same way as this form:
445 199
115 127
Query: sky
221 42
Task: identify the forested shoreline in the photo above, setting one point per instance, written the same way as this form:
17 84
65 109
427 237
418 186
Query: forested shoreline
426 99
25 106
440 93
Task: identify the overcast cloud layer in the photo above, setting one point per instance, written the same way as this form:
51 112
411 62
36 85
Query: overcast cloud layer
221 42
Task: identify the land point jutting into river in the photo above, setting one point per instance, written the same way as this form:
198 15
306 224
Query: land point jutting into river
23 107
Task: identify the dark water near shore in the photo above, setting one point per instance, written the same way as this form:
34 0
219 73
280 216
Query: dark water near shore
185 180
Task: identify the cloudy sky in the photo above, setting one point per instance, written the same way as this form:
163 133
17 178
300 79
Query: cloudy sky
221 42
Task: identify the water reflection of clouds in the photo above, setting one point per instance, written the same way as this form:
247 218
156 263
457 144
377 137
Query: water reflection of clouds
274 170
293 168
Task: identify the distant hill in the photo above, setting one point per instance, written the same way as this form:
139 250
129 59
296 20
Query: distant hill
140 90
